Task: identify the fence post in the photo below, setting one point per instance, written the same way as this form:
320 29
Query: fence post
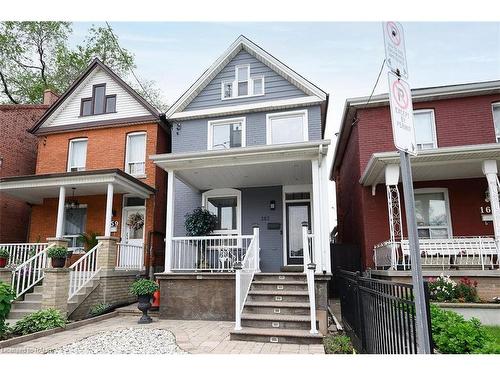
360 316
237 268
305 245
429 319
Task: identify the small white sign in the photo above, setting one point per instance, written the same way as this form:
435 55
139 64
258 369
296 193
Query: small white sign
395 51
114 226
402 114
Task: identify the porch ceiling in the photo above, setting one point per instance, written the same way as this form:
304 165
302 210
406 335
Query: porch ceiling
446 163
34 188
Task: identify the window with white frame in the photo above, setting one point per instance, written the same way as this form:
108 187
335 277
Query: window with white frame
496 120
135 159
226 134
432 213
225 204
243 85
287 127
425 129
77 154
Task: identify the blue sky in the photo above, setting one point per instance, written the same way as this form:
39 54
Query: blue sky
343 58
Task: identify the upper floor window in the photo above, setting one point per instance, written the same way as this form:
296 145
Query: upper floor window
243 84
135 156
77 154
425 129
225 134
99 103
496 120
287 127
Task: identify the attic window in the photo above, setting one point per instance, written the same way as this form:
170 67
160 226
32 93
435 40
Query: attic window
243 84
99 103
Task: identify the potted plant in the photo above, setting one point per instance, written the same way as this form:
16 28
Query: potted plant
200 222
144 289
58 256
4 257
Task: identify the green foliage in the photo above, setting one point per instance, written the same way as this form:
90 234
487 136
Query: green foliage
466 290
200 222
39 321
99 308
143 287
57 252
338 344
7 295
444 289
452 334
4 253
89 240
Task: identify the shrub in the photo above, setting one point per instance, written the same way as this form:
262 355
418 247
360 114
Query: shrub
200 222
7 295
39 321
466 291
442 288
4 253
57 252
338 344
99 308
89 240
143 287
452 334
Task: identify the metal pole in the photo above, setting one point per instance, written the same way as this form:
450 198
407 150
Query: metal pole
423 340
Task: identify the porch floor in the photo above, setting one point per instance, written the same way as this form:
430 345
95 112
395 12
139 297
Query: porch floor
192 336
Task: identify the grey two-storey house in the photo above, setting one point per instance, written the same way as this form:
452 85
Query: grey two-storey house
247 145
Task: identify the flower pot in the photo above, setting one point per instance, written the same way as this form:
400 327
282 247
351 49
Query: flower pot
58 262
3 262
144 304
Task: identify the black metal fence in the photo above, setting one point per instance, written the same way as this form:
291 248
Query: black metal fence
379 315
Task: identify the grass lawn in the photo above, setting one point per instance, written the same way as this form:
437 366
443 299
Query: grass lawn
494 331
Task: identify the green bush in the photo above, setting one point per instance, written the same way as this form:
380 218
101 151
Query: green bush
466 290
444 289
200 222
143 287
338 344
452 334
99 308
57 252
39 321
7 295
4 253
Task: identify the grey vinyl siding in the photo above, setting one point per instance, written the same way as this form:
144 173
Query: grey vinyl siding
192 134
186 200
275 86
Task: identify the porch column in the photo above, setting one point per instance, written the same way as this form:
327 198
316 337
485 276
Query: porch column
393 208
169 230
109 211
316 201
60 212
325 217
490 170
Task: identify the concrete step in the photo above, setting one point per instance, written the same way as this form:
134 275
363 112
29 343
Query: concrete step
282 276
33 297
302 322
20 313
276 335
282 285
293 268
278 296
26 305
285 308
38 288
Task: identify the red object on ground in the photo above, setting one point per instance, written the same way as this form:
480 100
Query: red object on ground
3 263
156 299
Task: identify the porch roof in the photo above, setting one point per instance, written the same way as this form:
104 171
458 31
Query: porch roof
34 188
285 164
444 163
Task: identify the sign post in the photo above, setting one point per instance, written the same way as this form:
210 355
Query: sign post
404 139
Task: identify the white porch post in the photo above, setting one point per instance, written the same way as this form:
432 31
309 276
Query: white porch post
169 230
60 212
325 217
257 250
490 170
394 208
316 227
109 210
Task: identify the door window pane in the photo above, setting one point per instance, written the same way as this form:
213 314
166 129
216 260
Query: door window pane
424 130
226 136
136 154
496 120
225 210
287 129
296 215
77 155
431 214
99 92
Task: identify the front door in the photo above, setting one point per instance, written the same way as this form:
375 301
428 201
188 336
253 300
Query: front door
296 213
133 226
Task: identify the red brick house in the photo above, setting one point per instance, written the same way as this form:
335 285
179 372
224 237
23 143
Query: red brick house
455 181
18 157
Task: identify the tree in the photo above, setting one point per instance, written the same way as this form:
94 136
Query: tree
35 56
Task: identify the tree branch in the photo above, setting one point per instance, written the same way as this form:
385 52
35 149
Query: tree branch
6 89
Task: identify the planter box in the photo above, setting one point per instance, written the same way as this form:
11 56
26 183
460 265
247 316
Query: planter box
487 313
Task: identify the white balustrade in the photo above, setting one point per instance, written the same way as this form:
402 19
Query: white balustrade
21 252
130 257
446 253
83 271
309 269
30 272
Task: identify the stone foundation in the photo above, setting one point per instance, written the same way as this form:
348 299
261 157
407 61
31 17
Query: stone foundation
56 289
6 275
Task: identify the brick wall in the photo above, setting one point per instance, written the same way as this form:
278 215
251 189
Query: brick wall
18 157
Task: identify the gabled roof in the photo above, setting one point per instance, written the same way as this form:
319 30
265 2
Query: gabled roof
243 43
96 63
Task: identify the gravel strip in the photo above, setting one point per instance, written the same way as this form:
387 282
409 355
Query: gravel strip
125 341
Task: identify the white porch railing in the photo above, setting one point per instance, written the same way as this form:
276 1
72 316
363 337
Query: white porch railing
309 269
245 271
446 253
130 257
83 270
30 272
21 252
209 253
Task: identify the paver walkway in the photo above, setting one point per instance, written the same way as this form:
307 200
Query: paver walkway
193 336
